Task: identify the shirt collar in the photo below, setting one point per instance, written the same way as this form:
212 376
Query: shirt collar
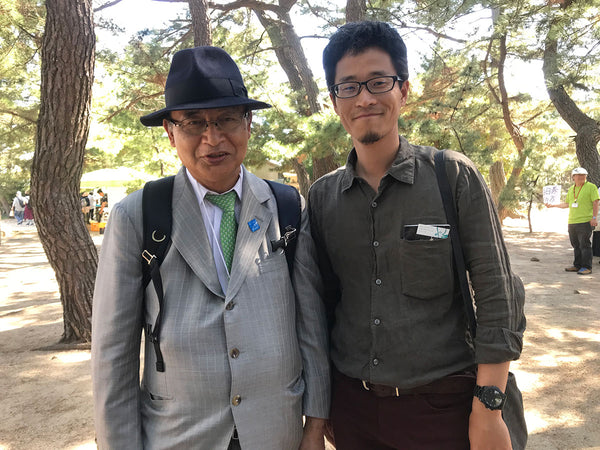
201 191
402 168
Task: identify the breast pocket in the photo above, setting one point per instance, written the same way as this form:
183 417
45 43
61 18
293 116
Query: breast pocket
426 267
272 262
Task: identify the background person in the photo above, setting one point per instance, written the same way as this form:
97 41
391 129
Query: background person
18 206
244 345
582 201
404 372
28 212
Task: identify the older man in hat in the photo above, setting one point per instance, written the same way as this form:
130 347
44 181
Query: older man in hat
243 341
582 201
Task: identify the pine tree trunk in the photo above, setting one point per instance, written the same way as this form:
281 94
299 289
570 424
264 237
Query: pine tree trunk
497 180
355 10
587 129
200 22
63 125
292 59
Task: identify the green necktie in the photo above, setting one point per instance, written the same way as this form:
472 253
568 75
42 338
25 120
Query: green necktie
228 229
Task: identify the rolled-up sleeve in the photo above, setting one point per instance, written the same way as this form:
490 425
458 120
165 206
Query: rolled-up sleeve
499 293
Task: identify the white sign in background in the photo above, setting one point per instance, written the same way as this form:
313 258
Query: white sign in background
552 194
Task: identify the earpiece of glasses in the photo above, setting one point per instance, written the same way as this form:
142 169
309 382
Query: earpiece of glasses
377 85
196 127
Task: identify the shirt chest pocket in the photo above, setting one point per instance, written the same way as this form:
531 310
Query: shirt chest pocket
426 268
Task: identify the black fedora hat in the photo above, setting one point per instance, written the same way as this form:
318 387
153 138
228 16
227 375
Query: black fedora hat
202 78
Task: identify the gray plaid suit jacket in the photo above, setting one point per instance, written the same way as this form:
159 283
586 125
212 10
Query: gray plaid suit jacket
277 326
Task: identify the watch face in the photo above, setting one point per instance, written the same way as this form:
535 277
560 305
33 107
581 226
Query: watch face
492 397
495 400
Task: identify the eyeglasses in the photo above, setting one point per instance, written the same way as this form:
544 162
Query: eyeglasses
377 85
196 127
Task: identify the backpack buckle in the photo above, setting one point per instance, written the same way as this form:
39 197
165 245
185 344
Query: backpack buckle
148 256
289 235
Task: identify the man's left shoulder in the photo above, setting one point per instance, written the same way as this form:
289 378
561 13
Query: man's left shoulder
452 157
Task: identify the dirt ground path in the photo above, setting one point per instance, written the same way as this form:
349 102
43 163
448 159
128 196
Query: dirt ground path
46 395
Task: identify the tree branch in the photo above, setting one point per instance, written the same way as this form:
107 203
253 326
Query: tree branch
19 115
107 5
252 4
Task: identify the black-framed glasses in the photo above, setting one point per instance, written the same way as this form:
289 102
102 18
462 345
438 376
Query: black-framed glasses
196 127
377 85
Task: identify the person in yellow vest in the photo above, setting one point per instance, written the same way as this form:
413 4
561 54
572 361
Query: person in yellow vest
582 201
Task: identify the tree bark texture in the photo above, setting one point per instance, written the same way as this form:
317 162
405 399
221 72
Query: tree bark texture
200 22
506 196
276 21
355 10
66 87
586 128
497 180
303 177
505 209
292 59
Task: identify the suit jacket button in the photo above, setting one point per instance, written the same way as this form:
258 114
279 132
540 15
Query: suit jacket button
229 306
236 400
234 353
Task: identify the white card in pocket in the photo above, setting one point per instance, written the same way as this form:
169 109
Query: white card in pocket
433 231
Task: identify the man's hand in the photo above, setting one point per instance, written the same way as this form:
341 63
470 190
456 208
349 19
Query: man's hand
329 432
594 222
487 430
313 435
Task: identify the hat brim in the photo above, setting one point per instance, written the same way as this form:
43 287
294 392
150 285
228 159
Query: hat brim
155 119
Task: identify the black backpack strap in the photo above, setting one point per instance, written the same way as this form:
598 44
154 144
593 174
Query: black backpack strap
289 208
158 217
459 259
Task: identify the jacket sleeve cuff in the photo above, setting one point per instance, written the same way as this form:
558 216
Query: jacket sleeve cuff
316 399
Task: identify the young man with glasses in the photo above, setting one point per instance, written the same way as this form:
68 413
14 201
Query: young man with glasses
244 347
405 368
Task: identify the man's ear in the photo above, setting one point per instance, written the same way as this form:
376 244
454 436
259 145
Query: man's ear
249 123
333 99
404 92
168 126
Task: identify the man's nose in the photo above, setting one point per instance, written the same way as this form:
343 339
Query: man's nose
365 97
212 134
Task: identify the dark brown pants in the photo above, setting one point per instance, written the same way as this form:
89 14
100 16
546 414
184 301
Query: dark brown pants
426 421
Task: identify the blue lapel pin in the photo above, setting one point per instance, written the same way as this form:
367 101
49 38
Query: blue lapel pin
253 225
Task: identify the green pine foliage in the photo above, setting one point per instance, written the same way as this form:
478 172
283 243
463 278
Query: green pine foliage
454 49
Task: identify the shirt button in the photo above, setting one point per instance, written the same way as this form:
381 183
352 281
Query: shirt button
377 321
234 353
374 204
378 282
375 361
229 306
236 400
375 243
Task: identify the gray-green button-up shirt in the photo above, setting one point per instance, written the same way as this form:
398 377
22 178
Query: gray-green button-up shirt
395 312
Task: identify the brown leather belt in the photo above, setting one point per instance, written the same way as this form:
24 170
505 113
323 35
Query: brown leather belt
451 384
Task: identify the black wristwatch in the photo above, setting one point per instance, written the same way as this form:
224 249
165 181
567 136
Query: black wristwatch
491 397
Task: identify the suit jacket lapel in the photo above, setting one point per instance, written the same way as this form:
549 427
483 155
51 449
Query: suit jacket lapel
189 234
255 195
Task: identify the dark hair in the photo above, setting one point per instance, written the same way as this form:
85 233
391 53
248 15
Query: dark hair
356 37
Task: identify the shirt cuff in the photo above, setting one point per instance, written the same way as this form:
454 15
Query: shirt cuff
497 345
